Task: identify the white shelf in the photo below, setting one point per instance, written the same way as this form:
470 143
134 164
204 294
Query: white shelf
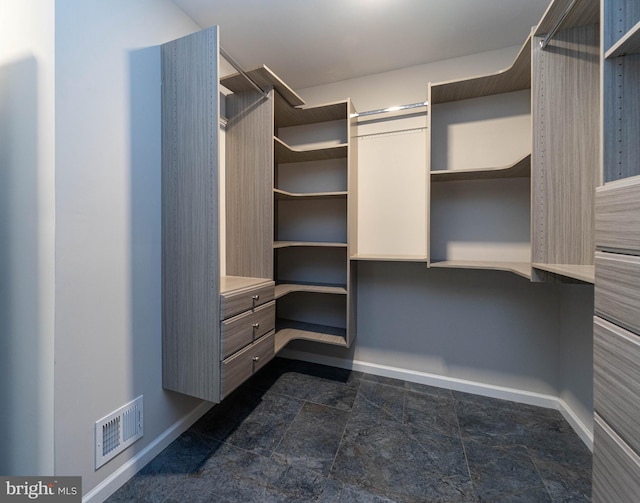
284 289
627 45
520 268
584 273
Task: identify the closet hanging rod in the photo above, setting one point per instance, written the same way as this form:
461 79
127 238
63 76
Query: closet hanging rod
556 27
237 66
390 109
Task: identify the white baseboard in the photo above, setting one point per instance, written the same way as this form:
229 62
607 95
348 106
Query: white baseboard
488 390
118 478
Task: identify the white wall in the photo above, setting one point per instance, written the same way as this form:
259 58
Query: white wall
26 236
108 311
492 328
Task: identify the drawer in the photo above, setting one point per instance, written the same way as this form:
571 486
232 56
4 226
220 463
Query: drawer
243 329
616 468
239 367
616 379
618 216
617 289
237 301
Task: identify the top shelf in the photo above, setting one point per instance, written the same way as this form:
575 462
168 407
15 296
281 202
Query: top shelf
585 12
515 78
627 45
287 116
265 79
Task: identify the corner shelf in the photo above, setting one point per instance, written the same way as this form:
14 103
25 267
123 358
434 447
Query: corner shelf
287 331
283 194
520 268
377 257
520 169
629 44
319 244
584 273
265 78
517 77
285 153
286 288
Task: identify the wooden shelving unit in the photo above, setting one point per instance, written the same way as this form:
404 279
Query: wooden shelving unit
519 169
319 244
283 194
285 153
628 45
378 257
286 288
520 268
584 273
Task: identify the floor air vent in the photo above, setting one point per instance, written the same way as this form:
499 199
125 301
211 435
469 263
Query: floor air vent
117 431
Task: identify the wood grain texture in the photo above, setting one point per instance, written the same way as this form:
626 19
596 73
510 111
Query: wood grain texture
616 374
616 468
352 225
238 368
618 216
284 153
585 12
243 329
515 78
266 79
243 299
285 335
584 273
190 262
621 117
249 171
283 194
617 289
287 116
565 167
627 45
520 268
519 169
619 19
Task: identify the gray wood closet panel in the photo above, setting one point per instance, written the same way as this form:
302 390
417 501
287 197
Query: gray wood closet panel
249 199
618 216
190 261
565 167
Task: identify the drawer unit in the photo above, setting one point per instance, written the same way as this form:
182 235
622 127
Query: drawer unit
240 366
617 289
618 216
244 328
616 385
616 468
248 296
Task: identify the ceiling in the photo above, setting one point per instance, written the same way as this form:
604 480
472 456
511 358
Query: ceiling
312 42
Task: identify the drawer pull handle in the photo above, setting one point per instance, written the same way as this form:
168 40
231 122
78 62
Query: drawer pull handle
256 297
256 359
256 326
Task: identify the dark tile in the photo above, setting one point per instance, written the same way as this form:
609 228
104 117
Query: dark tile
387 398
317 390
239 475
345 493
501 472
263 428
312 439
388 381
565 482
195 490
383 456
147 488
428 390
431 412
337 375
536 495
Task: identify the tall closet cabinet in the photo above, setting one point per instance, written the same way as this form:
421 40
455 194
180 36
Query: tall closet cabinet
616 461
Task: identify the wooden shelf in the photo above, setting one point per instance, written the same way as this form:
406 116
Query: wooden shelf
627 45
373 257
311 244
287 288
239 283
284 153
265 79
287 116
584 13
283 194
514 78
584 273
520 268
520 169
288 330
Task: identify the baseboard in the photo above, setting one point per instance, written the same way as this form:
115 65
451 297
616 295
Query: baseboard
118 478
489 390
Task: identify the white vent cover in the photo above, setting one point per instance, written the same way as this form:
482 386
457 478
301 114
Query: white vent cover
117 431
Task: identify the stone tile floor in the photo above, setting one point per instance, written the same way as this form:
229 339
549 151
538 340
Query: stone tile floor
300 432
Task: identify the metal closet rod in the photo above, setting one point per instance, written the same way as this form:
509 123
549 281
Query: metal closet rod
390 109
544 43
237 66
